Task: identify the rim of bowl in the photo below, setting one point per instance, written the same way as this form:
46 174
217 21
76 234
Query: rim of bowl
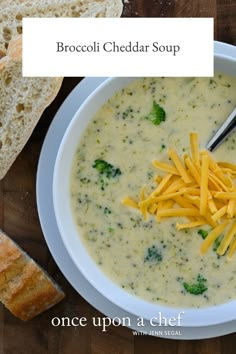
200 317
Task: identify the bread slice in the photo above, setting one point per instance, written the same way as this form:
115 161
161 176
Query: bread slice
12 12
22 102
25 289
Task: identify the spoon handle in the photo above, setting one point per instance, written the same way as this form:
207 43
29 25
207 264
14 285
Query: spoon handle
226 128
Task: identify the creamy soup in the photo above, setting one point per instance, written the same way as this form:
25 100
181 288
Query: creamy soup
149 259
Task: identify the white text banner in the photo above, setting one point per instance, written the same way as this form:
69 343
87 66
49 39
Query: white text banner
118 46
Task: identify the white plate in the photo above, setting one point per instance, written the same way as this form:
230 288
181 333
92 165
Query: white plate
52 235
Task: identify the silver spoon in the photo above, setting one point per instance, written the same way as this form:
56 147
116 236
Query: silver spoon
226 128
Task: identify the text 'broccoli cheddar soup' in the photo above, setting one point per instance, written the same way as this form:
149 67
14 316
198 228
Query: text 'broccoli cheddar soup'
129 151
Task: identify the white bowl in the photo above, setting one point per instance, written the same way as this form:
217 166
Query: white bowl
69 232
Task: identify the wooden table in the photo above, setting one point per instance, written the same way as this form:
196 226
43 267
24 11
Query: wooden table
19 218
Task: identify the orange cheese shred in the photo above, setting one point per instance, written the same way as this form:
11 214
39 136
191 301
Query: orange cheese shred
162 184
204 185
212 236
226 240
219 213
194 148
225 195
165 167
231 208
190 225
130 202
178 212
179 166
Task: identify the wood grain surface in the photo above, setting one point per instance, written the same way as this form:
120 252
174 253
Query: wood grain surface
19 218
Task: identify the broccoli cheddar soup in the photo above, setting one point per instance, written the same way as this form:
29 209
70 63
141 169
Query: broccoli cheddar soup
145 255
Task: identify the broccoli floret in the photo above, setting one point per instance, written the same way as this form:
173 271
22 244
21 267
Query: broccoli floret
197 288
153 254
203 233
105 170
157 115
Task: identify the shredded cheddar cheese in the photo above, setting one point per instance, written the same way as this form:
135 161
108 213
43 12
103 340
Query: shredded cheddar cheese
227 240
226 195
178 212
162 184
190 225
179 166
130 202
232 248
165 167
194 148
197 188
204 185
231 208
212 236
193 170
219 213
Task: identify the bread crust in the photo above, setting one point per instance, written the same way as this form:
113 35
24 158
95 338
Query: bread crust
8 254
25 289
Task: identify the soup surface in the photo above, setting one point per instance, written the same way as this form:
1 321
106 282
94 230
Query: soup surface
149 259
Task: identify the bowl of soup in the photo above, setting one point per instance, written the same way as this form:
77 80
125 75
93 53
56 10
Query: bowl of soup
142 265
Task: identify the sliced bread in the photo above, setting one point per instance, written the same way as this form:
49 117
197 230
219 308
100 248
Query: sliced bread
25 289
22 102
12 12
